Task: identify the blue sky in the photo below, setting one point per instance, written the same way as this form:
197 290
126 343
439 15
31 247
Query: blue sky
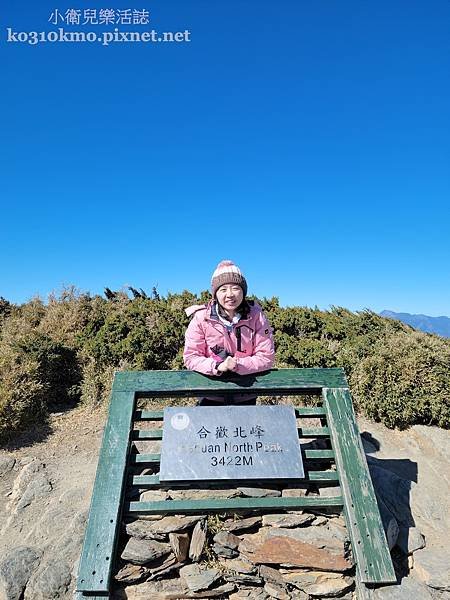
307 141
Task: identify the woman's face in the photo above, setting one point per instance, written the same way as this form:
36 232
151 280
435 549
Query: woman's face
230 297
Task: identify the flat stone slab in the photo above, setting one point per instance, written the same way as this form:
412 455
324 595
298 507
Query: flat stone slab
198 579
141 552
230 443
158 530
198 540
242 524
180 545
256 492
319 584
227 539
288 551
287 520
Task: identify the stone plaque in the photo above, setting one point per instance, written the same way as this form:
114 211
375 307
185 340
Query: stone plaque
230 442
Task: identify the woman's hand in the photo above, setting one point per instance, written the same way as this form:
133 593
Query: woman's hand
229 364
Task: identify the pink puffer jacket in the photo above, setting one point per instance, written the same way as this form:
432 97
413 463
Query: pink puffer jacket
208 342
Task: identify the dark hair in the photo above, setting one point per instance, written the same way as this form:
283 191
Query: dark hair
243 309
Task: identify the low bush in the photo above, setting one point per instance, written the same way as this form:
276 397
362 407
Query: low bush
69 348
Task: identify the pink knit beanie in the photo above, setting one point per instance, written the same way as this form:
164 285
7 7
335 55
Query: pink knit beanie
227 272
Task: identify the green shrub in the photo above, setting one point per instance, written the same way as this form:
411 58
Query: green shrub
405 380
70 347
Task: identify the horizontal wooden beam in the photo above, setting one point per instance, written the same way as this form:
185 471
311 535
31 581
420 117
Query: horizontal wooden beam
301 411
156 434
153 480
230 504
189 383
156 458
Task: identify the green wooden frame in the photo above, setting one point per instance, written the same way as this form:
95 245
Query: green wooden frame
370 550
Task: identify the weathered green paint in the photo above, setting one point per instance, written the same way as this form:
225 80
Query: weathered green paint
156 458
301 411
318 454
97 556
363 518
156 434
153 480
145 458
189 383
232 504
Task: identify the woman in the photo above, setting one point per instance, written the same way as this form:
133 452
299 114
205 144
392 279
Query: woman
230 333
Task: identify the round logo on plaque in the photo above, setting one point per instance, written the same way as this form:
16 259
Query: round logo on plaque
179 421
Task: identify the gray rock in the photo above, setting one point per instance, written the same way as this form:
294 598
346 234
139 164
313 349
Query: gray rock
271 575
144 530
242 524
6 464
294 492
131 573
50 582
433 568
254 492
410 539
197 579
287 520
409 589
241 579
332 491
203 494
155 529
169 564
153 496
37 488
229 540
327 537
224 552
198 540
276 591
252 593
318 583
239 565
16 569
140 552
180 545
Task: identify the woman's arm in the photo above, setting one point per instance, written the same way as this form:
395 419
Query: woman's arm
194 354
263 355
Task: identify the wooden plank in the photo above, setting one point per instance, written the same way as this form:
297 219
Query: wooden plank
156 458
310 411
153 480
136 459
318 454
156 434
188 383
104 516
300 411
229 504
362 515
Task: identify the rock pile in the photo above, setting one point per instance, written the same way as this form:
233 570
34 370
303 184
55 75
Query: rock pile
287 555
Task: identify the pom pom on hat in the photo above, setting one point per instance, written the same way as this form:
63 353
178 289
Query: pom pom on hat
227 272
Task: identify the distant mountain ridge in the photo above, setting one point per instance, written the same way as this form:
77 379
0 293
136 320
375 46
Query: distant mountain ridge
436 325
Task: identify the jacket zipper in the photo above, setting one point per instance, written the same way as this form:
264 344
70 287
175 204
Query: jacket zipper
237 332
